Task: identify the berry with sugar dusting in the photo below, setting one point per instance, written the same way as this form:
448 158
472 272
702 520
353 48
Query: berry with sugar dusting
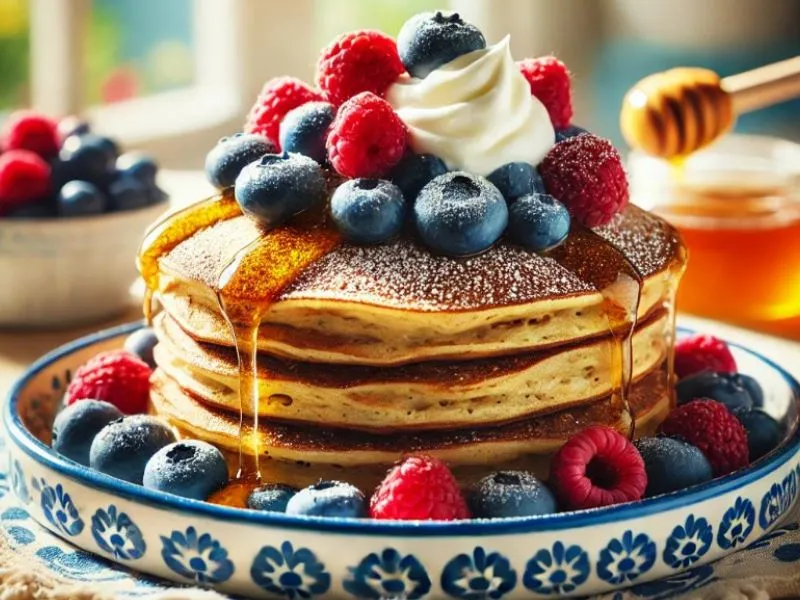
118 377
419 488
711 427
597 467
358 61
586 174
367 138
24 177
278 96
672 465
548 79
28 130
698 353
511 494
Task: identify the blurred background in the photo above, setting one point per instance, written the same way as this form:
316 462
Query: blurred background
171 76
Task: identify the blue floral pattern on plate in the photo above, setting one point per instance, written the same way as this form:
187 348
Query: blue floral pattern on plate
688 542
290 573
59 510
199 558
388 575
479 576
625 558
737 524
18 485
116 534
557 571
777 501
677 585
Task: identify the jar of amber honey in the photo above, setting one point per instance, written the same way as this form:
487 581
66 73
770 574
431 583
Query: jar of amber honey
737 205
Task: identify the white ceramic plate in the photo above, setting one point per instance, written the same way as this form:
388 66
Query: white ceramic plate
264 555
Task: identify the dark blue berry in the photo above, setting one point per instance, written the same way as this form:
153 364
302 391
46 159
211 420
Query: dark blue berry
569 132
72 126
328 499
305 129
138 166
232 154
272 497
517 179
128 193
751 385
76 426
38 209
141 343
368 211
763 432
459 214
538 222
79 199
511 494
672 465
429 40
716 386
279 186
415 171
123 447
191 469
89 158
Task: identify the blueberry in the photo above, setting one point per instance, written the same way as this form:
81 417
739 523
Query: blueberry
328 499
538 222
763 432
279 186
128 193
569 132
305 129
672 465
72 125
429 40
76 426
511 494
138 166
517 179
459 214
414 171
717 386
123 447
272 497
89 158
38 209
79 199
751 385
141 343
368 211
190 469
232 154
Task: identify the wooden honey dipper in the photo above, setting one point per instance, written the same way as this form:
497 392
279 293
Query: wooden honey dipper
676 112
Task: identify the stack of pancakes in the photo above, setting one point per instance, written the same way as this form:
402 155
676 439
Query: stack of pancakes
371 352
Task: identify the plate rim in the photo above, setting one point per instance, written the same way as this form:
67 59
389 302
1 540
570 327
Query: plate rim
43 455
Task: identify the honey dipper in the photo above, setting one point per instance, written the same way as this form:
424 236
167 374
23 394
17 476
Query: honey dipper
676 112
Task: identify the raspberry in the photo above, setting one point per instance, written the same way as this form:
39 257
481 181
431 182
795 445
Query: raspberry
24 177
355 62
277 97
27 130
586 174
597 467
711 427
117 377
548 79
419 488
699 353
367 138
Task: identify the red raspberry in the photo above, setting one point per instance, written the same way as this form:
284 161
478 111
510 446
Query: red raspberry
24 176
711 427
359 61
586 174
597 467
548 78
117 377
27 130
278 96
366 138
419 488
698 353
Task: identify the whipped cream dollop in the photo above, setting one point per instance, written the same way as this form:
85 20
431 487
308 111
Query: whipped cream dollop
476 112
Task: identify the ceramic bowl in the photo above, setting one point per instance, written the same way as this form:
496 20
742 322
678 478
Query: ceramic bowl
62 272
264 555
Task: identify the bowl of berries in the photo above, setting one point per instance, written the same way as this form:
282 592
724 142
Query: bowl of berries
73 209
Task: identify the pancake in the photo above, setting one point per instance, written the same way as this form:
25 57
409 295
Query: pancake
418 396
398 303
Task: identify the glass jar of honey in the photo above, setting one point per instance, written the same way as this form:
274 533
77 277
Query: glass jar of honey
737 206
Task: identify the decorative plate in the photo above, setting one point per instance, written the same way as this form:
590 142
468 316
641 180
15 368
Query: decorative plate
264 555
